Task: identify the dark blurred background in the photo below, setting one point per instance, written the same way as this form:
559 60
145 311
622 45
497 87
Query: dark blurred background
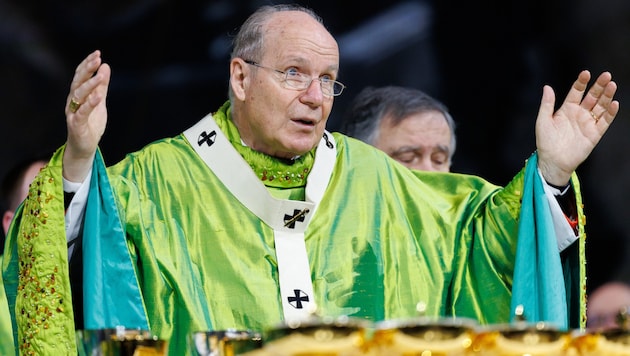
487 61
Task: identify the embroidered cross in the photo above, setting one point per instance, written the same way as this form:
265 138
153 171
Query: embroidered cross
328 143
207 138
297 300
298 215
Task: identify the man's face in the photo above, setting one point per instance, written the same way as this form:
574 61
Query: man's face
421 141
271 117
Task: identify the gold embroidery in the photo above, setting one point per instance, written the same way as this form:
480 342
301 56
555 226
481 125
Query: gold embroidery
41 287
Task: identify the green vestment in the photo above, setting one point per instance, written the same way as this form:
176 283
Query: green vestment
383 239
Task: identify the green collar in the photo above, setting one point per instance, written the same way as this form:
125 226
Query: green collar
272 171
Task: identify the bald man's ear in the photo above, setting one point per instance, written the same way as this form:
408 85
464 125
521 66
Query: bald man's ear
239 77
6 220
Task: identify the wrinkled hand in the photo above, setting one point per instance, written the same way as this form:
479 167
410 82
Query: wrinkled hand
86 124
564 139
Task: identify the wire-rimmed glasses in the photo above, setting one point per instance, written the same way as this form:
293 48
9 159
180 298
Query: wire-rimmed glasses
300 81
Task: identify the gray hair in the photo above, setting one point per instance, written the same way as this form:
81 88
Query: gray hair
363 117
249 41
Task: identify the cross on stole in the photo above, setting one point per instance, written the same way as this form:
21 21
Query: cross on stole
207 138
298 215
297 300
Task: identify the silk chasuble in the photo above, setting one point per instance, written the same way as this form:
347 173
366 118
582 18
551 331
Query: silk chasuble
381 239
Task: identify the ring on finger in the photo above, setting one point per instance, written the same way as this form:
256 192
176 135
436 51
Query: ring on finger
595 116
74 105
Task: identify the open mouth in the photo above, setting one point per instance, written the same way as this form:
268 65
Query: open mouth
305 122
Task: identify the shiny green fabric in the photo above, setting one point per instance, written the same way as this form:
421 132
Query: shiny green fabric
383 239
6 328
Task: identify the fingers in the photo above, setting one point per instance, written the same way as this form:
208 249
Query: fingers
84 82
604 107
547 102
609 114
601 92
598 101
576 93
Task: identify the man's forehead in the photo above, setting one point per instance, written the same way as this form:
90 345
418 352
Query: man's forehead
286 22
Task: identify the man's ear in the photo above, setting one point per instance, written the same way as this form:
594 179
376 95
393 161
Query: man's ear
239 77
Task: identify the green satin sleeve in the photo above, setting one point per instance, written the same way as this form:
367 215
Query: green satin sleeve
447 240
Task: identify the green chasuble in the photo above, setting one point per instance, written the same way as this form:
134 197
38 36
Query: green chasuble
382 239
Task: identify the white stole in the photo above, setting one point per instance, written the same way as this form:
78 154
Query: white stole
288 218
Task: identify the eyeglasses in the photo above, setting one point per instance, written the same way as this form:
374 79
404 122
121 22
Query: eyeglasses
300 81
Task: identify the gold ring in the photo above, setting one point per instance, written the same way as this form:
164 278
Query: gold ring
74 105
594 116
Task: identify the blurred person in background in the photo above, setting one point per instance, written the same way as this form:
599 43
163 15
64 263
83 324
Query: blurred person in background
608 306
15 187
406 123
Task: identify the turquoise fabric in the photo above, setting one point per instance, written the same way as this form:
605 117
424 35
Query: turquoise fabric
107 263
538 269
